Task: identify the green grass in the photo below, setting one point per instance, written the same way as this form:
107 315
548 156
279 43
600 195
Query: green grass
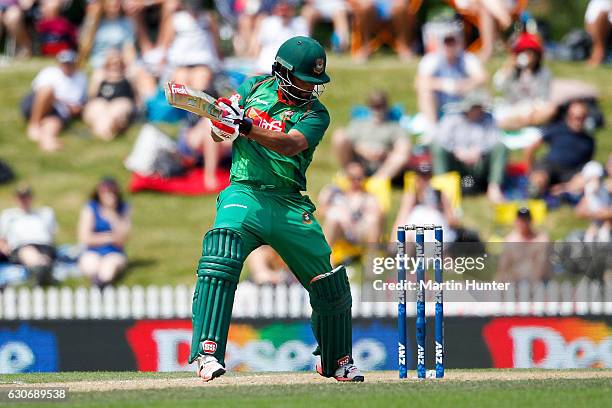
556 393
165 242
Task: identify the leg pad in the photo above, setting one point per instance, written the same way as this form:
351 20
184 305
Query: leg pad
330 298
218 273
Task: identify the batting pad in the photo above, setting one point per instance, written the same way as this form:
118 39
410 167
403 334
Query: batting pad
330 298
218 272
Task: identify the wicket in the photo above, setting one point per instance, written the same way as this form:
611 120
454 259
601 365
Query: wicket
421 334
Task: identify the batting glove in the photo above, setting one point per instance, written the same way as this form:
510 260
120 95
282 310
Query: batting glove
225 131
232 112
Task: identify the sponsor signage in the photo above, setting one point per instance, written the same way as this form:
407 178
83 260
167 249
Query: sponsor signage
287 345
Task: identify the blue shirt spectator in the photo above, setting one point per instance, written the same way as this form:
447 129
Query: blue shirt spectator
568 148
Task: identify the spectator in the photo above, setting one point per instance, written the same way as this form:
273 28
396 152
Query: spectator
191 44
570 148
112 99
353 215
107 29
12 17
273 31
425 205
58 95
525 254
371 15
27 234
266 267
598 22
147 17
469 142
446 75
596 203
335 11
198 148
103 228
494 16
377 142
525 85
55 32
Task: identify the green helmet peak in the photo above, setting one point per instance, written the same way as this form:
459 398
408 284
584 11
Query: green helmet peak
304 58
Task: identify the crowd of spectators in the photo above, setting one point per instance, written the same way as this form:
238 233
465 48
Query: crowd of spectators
112 58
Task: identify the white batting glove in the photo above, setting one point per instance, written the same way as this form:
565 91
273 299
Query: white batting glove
225 131
232 112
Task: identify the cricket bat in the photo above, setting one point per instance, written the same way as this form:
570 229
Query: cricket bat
198 102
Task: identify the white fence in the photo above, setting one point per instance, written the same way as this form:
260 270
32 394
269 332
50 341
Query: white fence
283 301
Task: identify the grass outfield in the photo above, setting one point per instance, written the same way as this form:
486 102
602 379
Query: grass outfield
167 231
461 388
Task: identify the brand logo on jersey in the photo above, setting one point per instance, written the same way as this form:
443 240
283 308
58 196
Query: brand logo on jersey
263 120
319 66
306 218
258 100
209 346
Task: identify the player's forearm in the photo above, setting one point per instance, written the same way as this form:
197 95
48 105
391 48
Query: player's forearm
287 144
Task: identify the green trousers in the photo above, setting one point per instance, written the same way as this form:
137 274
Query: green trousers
284 221
247 217
490 168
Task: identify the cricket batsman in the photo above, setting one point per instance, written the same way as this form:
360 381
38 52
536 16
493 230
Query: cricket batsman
275 123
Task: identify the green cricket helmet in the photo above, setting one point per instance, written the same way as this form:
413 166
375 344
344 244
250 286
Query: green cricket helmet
304 58
300 58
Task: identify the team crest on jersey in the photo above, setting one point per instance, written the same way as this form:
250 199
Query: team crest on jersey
286 115
319 66
263 120
306 218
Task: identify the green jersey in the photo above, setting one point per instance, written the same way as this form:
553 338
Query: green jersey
258 165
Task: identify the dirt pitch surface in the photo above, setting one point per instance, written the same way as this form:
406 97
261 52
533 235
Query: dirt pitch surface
386 377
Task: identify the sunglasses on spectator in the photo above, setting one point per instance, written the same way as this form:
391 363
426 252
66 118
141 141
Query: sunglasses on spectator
450 41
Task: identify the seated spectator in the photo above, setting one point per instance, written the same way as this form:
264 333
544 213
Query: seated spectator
353 215
191 44
596 203
197 148
425 205
27 234
525 254
147 17
570 148
372 15
58 95
525 85
103 228
377 142
12 18
106 29
335 11
598 23
266 267
112 99
470 142
273 31
494 17
55 32
446 75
